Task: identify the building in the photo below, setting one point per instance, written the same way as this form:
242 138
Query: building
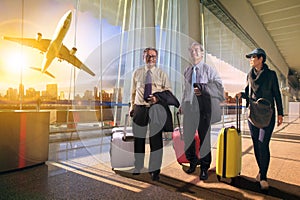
51 91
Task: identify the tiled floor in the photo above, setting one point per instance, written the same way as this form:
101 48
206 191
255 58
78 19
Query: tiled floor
80 169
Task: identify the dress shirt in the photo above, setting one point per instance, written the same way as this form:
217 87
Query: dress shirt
205 74
160 82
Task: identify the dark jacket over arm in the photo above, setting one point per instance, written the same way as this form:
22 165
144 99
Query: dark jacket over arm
166 98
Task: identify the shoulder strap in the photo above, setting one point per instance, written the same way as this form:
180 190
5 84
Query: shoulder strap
249 87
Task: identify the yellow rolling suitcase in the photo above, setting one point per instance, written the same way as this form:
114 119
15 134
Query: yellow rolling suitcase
229 150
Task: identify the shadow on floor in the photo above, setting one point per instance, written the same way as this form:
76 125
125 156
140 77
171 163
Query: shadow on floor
50 182
241 182
190 189
47 182
286 191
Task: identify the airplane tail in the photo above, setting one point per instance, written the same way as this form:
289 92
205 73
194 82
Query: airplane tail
40 70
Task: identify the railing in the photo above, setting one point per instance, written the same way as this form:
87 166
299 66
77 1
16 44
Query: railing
92 114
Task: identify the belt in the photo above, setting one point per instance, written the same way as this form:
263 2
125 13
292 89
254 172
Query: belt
143 106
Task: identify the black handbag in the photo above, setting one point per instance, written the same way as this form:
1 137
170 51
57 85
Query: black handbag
260 112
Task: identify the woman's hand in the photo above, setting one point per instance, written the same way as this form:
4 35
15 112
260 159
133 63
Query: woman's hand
279 120
238 95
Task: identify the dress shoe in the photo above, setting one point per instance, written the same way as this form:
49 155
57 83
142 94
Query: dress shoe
136 172
154 176
191 169
203 175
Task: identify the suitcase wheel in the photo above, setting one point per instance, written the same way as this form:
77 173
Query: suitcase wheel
233 181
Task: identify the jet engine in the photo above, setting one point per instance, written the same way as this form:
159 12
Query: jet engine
38 37
73 51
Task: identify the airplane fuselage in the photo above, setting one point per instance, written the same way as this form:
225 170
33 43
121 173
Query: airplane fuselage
57 39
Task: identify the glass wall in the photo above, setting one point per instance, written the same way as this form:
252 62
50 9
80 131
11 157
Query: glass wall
163 24
110 36
230 52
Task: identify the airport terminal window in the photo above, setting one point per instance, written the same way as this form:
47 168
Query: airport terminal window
229 51
224 44
110 38
226 52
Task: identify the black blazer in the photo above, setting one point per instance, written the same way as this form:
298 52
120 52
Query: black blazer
267 87
166 98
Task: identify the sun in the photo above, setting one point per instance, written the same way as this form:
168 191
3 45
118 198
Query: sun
15 62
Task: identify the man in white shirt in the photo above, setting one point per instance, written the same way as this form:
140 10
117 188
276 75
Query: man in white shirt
140 106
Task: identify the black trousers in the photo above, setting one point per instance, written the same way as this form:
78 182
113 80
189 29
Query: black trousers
140 125
261 140
197 116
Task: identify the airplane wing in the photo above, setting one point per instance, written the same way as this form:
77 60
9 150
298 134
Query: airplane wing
46 72
42 45
65 54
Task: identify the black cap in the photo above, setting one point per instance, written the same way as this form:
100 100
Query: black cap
257 51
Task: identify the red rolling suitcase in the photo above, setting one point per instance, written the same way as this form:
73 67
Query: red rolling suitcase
178 143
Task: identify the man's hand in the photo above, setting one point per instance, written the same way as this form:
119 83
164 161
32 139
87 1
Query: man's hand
180 110
131 112
197 91
152 99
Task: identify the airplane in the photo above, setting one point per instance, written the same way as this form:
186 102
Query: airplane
52 48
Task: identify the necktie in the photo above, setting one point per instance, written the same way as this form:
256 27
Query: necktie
148 85
194 80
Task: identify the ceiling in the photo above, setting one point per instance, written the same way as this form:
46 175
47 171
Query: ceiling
281 18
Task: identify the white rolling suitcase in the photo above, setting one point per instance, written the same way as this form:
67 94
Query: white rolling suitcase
122 146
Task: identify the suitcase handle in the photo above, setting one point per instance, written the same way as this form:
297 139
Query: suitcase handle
125 126
179 126
238 115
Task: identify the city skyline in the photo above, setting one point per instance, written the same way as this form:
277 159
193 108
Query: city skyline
88 94
53 90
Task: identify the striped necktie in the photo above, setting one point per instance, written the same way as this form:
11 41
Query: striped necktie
194 80
148 85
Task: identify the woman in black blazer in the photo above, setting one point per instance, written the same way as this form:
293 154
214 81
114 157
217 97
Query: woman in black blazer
263 83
